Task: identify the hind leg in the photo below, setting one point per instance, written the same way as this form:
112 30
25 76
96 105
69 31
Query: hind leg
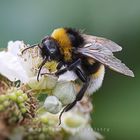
80 94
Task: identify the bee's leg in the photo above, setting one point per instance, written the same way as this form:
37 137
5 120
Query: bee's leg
40 67
30 47
80 95
70 67
60 72
60 64
74 64
80 74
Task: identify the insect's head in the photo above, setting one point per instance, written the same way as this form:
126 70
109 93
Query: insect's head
50 49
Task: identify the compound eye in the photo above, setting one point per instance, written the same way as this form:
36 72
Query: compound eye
50 45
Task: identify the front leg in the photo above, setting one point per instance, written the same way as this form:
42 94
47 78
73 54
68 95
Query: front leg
69 67
40 67
60 64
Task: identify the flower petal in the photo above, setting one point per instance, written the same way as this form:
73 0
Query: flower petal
15 47
11 68
68 76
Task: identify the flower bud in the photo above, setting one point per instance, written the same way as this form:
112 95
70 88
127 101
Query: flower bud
12 96
52 104
44 119
6 103
23 110
20 99
2 98
18 92
21 105
44 83
65 92
25 97
1 107
49 118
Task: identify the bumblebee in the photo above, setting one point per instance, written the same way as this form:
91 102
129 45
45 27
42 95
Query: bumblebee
85 55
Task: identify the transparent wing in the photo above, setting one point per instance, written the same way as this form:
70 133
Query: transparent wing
112 46
105 56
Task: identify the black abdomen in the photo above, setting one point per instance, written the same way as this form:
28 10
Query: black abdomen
90 67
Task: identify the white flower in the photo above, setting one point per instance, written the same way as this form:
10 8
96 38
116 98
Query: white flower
73 122
65 92
52 104
16 47
11 65
16 66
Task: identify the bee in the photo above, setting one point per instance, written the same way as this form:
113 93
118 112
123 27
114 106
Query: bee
85 55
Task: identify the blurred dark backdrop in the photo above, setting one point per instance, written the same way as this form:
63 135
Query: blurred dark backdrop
117 104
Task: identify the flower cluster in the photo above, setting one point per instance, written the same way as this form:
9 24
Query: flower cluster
36 105
16 96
